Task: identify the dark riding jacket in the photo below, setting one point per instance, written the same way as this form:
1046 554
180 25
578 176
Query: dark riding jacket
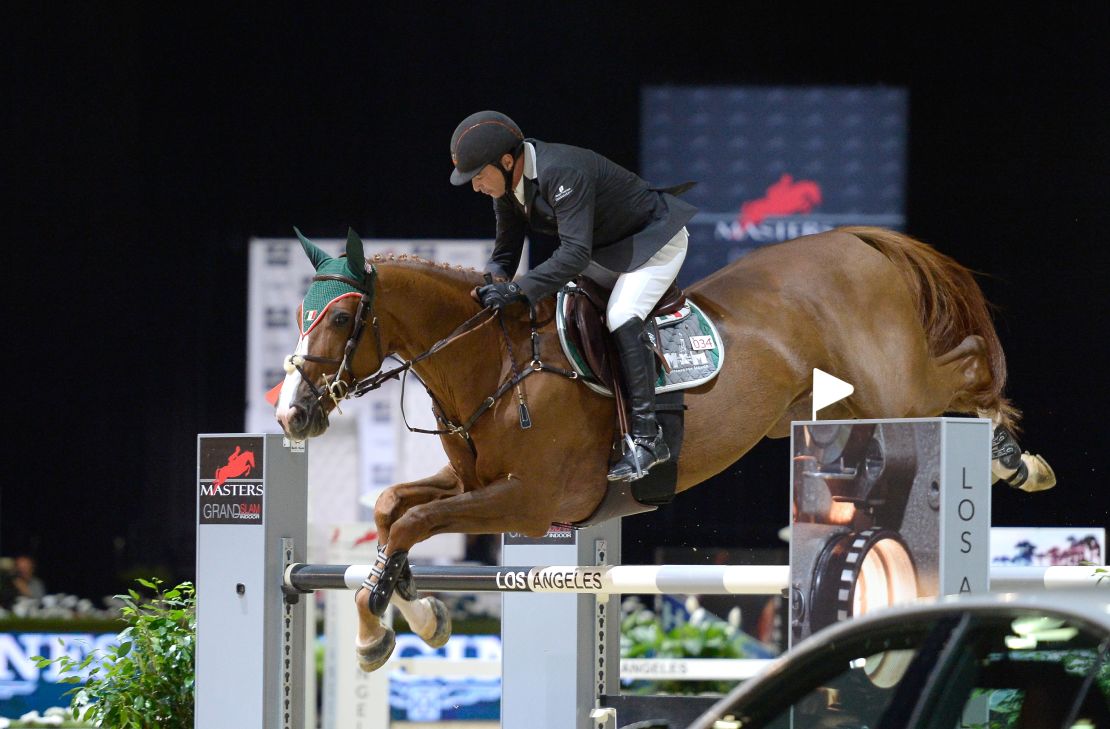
599 211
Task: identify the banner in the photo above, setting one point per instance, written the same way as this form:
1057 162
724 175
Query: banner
775 163
1048 546
25 687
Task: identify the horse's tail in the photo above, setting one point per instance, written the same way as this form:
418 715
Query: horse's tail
951 306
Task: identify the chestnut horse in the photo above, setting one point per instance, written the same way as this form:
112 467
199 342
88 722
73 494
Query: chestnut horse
905 324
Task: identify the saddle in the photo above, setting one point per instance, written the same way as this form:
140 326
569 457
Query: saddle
586 329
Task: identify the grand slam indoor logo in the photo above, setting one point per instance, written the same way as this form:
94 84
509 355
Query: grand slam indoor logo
230 483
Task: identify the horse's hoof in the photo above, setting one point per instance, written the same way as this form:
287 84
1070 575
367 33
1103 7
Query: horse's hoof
1041 476
442 632
372 657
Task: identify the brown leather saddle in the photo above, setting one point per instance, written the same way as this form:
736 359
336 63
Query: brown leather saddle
587 332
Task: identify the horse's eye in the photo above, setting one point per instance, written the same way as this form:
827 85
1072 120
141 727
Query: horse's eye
341 319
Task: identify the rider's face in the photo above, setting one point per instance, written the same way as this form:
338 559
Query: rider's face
490 180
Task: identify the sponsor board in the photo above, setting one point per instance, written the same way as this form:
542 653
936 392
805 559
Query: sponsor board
555 535
230 483
1048 546
427 697
775 163
24 686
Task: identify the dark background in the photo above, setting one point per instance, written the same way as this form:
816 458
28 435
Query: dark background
148 148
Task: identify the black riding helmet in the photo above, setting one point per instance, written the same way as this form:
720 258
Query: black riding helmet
480 140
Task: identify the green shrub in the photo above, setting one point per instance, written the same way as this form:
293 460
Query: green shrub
147 680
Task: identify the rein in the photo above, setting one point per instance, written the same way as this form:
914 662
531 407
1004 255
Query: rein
338 389
373 382
534 366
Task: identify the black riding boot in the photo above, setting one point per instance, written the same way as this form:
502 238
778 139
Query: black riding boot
638 367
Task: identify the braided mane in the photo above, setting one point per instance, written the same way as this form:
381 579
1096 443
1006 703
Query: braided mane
463 273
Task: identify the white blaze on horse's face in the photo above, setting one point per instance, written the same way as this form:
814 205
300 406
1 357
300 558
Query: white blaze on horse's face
289 388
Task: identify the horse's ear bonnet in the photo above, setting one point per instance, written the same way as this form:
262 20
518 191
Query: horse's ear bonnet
322 293
317 256
356 259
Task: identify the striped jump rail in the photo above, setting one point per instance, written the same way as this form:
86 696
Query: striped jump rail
640 580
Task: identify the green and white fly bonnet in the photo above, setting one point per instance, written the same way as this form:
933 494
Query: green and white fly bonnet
335 278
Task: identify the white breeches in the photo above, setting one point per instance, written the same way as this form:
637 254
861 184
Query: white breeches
636 293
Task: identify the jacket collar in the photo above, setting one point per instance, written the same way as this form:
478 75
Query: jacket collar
526 187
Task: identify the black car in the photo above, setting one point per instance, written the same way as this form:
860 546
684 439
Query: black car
989 661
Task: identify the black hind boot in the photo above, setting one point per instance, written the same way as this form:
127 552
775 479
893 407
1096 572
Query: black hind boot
638 366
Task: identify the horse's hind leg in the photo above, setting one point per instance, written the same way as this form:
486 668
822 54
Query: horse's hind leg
965 373
899 379
957 381
428 616
961 381
1020 469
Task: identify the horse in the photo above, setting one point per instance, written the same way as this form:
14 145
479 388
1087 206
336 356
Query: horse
907 325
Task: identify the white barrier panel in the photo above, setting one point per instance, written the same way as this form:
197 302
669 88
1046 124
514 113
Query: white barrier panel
691 669
632 669
250 645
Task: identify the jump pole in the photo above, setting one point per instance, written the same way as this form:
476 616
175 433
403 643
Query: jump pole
560 579
641 580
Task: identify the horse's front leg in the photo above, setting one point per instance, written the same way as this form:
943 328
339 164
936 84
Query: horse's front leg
505 505
428 617
398 499
390 581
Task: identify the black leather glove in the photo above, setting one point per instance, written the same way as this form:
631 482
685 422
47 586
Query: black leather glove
500 294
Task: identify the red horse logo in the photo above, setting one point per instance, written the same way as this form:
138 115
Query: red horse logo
785 197
239 464
367 538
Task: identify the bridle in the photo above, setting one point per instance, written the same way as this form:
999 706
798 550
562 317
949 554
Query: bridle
338 389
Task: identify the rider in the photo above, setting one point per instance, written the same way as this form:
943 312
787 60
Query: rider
612 227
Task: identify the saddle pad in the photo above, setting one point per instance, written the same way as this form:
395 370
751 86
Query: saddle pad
691 345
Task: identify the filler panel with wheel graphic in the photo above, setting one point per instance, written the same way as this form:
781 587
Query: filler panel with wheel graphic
884 512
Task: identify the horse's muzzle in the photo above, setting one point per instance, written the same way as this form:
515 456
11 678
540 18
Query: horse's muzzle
303 420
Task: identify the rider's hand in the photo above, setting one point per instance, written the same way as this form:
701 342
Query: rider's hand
500 294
